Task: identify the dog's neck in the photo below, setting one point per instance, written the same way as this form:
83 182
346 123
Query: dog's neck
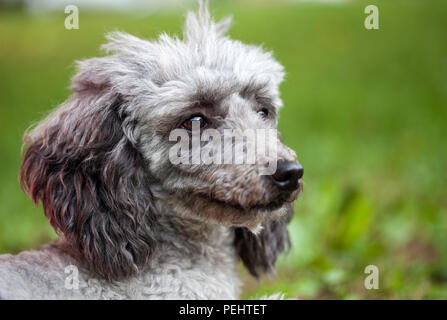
192 236
190 248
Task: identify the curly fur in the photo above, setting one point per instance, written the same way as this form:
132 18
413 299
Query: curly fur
134 224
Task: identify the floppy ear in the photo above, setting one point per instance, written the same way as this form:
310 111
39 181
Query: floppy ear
91 180
259 252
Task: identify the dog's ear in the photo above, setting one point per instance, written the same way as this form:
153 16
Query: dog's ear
260 251
91 180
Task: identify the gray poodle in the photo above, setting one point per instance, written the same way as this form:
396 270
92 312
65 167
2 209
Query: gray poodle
131 223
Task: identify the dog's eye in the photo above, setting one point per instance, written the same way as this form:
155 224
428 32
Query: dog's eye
189 123
263 112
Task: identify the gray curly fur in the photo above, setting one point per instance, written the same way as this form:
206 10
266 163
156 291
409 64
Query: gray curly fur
134 224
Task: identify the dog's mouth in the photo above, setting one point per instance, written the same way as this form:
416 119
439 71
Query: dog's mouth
269 206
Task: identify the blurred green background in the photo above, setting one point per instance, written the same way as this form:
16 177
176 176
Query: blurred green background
365 110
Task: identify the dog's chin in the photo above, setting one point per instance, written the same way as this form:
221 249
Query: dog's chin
257 207
232 213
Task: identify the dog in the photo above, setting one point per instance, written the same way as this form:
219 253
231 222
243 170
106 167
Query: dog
131 223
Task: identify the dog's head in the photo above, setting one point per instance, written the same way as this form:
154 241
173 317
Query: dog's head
102 163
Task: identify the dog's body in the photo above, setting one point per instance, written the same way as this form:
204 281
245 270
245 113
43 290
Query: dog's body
132 223
197 262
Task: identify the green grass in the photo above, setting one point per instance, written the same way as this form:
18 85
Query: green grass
366 112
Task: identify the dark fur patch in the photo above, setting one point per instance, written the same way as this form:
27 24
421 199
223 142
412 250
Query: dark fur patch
260 252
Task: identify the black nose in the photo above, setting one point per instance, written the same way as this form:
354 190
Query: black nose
287 175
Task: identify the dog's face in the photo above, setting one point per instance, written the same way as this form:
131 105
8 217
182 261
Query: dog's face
220 101
102 163
220 85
